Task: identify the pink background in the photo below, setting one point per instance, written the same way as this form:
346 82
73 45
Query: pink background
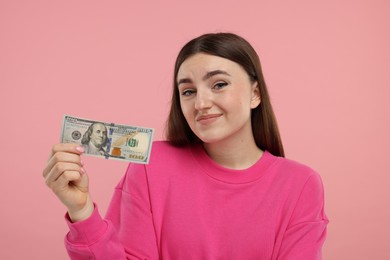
326 65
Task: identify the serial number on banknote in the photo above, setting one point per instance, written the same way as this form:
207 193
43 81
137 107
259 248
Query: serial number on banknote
108 140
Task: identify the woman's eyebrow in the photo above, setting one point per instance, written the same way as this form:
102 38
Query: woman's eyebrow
205 77
185 80
215 72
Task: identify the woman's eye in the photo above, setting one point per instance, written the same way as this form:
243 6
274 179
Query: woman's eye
220 85
187 92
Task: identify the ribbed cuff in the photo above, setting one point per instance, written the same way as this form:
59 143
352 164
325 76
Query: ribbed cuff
87 231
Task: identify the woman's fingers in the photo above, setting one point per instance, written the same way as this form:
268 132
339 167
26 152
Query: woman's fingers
58 159
67 147
60 168
63 153
62 182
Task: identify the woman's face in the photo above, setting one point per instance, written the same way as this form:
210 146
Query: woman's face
216 97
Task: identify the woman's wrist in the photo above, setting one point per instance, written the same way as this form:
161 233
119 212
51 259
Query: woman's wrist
82 214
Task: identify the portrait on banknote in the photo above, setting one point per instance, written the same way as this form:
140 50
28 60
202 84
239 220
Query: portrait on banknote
95 139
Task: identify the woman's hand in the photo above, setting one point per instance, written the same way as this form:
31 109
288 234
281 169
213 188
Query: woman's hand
65 175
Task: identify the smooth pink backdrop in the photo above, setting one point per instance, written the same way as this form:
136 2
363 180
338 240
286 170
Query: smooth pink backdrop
326 65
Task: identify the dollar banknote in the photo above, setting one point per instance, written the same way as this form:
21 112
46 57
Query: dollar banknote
108 140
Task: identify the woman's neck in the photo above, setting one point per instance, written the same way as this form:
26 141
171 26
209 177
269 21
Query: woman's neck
234 154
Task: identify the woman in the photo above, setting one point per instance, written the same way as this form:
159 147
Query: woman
219 188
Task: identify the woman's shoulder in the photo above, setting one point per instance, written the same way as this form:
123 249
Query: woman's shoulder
294 177
295 169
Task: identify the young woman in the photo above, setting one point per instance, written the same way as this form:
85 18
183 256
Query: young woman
218 188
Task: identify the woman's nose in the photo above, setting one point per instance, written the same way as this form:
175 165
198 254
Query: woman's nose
203 100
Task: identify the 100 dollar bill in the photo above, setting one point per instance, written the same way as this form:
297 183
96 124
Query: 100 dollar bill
108 140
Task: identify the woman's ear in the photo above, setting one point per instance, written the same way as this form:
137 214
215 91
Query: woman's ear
256 99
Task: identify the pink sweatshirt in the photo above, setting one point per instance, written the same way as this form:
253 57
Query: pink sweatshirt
182 205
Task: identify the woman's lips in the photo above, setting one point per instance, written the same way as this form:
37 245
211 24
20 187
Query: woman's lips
208 119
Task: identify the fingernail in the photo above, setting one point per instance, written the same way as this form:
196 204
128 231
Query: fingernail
80 149
82 162
82 170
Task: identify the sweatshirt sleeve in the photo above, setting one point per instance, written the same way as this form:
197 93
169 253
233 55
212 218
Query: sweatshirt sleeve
306 231
127 232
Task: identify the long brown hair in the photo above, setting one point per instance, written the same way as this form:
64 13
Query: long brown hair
235 48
